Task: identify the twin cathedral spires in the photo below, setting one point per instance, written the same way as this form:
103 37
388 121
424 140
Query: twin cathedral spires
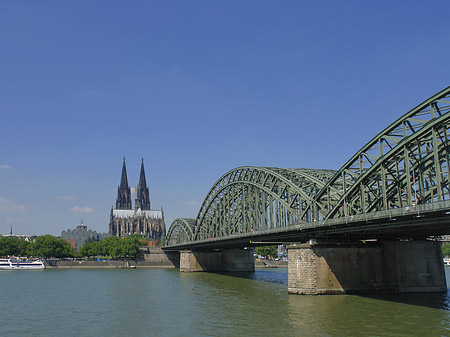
125 221
142 200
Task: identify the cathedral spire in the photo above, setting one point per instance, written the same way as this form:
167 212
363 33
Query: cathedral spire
142 181
124 179
124 193
142 193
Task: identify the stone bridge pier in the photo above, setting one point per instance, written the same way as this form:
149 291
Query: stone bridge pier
217 260
385 267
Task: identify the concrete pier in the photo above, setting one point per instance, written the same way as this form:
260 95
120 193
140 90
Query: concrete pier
218 260
387 266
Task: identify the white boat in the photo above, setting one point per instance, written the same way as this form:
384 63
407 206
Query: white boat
15 264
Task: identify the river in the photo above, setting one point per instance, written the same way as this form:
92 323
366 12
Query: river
165 302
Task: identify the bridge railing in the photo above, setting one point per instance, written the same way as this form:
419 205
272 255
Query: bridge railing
390 214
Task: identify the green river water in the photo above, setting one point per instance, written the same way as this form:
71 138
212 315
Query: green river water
165 302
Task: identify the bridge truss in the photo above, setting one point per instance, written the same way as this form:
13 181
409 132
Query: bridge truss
402 170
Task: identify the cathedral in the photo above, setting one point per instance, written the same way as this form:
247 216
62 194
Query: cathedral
125 220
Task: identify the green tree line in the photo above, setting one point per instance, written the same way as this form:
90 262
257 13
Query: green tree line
44 246
113 246
47 246
267 251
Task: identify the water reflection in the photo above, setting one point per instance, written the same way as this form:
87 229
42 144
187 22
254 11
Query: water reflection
271 275
159 302
280 276
362 316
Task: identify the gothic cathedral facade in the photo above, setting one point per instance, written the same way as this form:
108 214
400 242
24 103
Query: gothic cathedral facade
125 221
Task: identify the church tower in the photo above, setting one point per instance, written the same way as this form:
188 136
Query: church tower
123 200
142 193
125 221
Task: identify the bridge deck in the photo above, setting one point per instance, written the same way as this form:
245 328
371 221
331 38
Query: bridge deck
419 221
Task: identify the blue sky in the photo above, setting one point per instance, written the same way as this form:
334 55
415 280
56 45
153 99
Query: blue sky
196 88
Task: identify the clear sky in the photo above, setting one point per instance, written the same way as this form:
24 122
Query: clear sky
196 88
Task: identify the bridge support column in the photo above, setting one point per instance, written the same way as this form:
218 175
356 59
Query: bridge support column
222 260
387 266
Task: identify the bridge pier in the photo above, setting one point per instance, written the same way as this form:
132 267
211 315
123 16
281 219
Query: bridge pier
218 260
386 266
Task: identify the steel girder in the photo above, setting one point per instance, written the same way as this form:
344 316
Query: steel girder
404 165
180 231
250 199
397 167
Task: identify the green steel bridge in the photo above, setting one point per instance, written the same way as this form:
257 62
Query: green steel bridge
396 186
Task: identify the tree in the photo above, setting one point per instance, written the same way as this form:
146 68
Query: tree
113 246
24 247
267 251
110 246
14 246
49 246
90 248
130 246
446 249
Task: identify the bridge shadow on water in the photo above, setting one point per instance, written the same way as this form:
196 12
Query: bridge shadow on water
280 276
430 300
270 275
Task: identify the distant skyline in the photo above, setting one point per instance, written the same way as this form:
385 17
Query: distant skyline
196 88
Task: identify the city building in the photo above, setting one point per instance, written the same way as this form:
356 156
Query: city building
124 220
26 237
78 236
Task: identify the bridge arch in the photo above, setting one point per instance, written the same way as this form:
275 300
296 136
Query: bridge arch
397 156
248 199
405 164
180 231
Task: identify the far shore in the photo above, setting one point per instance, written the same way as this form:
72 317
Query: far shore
69 264
131 264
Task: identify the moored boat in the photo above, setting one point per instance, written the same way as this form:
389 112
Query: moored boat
15 264
446 261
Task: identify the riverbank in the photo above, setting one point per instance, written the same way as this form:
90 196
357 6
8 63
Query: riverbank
76 264
148 258
66 264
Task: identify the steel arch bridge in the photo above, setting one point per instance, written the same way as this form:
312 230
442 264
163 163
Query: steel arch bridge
397 184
